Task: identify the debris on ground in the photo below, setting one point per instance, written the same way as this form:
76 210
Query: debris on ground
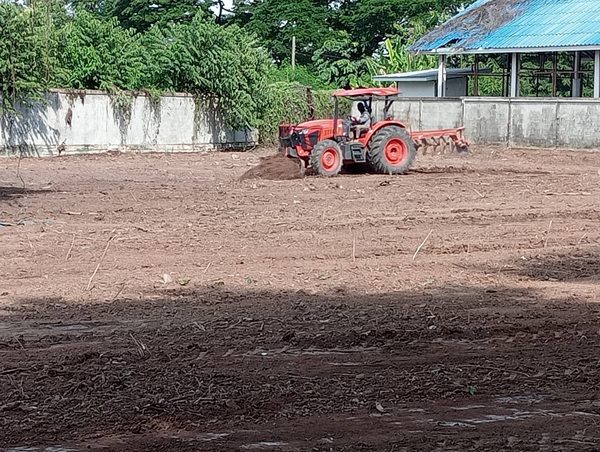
274 167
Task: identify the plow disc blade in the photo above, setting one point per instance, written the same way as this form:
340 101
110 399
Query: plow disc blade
441 141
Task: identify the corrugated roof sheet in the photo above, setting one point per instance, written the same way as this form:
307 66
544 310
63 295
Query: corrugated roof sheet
538 24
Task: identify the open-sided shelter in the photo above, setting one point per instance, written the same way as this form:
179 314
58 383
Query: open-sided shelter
551 47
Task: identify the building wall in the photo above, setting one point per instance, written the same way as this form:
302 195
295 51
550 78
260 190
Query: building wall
544 123
417 89
455 87
94 121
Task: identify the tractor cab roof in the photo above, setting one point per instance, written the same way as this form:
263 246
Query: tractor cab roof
366 93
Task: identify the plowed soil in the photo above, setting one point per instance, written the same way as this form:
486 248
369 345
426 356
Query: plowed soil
274 167
157 302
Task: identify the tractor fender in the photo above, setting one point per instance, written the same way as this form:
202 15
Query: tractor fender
380 125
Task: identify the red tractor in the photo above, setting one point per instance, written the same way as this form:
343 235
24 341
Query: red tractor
384 144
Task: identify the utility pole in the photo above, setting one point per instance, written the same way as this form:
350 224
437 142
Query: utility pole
293 52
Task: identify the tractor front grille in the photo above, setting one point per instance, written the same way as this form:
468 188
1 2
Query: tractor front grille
296 139
305 141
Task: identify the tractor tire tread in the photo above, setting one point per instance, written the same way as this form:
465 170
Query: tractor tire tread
376 153
315 158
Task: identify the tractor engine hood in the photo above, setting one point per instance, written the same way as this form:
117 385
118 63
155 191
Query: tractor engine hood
315 123
324 127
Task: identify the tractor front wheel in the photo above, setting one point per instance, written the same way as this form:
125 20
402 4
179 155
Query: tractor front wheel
392 151
326 158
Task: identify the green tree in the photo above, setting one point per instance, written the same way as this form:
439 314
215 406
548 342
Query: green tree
336 39
338 62
301 75
98 54
27 52
100 7
220 65
394 56
369 22
143 14
275 22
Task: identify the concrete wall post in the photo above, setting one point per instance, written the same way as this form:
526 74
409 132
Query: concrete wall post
597 74
442 76
514 75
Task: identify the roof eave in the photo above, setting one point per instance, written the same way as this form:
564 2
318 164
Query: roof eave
455 51
400 79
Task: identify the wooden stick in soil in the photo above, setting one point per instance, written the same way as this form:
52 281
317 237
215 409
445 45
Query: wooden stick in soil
19 342
422 244
71 248
478 193
547 234
19 168
100 261
119 292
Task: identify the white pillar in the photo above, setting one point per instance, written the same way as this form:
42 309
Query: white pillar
577 75
514 75
597 74
442 75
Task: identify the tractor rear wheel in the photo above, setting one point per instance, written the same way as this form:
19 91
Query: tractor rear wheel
392 151
326 158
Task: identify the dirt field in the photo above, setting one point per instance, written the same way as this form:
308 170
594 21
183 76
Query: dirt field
156 302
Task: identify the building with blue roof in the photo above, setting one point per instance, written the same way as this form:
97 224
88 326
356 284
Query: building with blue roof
553 44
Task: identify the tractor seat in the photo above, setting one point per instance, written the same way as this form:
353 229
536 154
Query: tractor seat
362 129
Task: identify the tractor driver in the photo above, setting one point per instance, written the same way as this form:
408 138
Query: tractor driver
353 122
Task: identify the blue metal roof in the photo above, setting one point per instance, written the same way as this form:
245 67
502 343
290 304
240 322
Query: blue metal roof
532 24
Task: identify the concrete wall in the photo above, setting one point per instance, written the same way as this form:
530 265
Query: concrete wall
94 121
545 123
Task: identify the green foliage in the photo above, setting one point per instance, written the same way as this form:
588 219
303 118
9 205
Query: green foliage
394 55
143 14
222 65
301 75
370 21
337 39
98 54
27 53
336 63
275 22
287 103
99 7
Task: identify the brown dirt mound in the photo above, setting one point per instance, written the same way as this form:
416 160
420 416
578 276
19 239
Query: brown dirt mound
274 167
